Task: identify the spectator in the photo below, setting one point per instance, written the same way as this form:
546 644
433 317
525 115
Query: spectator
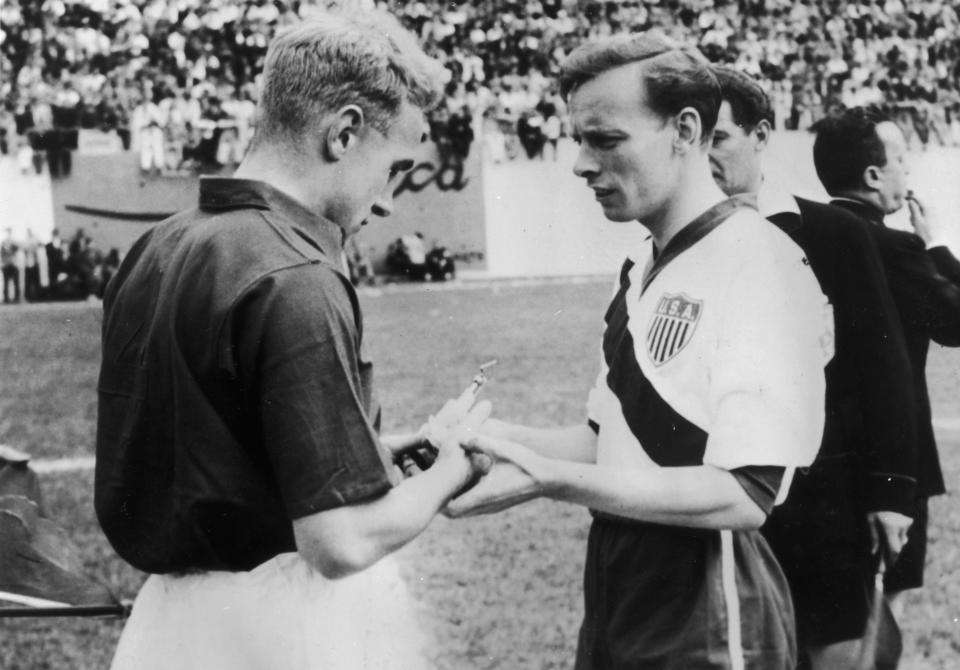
150 125
108 268
56 259
32 289
9 259
530 132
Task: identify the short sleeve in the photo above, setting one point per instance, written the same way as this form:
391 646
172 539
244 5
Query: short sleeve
763 483
767 387
301 339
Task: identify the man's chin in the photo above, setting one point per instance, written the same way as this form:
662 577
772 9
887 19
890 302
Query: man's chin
618 216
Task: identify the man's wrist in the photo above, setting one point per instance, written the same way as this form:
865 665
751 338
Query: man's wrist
455 471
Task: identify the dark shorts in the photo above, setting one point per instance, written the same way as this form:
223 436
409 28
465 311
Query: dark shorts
656 598
907 572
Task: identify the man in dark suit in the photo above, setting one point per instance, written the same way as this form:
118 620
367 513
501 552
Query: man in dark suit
56 263
860 491
860 159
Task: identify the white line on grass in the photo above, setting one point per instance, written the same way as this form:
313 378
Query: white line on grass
472 281
55 465
58 465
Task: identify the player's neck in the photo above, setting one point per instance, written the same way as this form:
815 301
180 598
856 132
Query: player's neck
694 195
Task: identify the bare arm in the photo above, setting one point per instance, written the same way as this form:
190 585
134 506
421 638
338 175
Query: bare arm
577 443
348 539
698 496
345 540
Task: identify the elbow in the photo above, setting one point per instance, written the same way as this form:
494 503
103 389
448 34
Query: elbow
336 555
747 516
336 563
336 569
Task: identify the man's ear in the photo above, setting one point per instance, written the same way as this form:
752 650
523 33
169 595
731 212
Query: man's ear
689 130
343 132
872 178
763 132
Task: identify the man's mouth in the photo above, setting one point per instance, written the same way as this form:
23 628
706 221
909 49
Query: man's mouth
602 193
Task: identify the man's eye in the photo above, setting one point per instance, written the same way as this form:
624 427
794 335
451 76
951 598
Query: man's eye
605 142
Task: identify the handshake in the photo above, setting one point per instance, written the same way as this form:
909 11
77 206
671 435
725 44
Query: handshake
463 433
457 420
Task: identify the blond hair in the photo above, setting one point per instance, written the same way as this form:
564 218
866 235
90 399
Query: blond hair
322 64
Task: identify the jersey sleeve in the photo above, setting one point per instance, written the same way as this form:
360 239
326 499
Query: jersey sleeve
301 337
764 484
767 388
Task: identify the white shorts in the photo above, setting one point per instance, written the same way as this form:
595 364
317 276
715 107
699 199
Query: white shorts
282 615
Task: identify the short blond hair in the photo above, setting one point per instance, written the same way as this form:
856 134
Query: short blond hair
332 60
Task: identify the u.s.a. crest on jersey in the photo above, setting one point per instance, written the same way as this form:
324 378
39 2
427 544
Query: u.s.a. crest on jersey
674 321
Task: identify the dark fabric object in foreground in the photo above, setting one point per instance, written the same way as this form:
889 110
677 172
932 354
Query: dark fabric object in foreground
37 558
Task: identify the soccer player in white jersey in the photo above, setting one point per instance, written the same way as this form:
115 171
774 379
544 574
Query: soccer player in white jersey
710 392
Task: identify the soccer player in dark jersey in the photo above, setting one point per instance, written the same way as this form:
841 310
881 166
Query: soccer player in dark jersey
238 455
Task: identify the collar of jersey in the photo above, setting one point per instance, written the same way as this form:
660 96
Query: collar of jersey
695 231
229 193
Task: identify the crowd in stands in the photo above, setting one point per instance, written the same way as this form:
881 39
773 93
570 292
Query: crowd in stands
73 269
177 79
179 76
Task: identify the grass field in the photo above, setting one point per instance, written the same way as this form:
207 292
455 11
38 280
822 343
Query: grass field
497 592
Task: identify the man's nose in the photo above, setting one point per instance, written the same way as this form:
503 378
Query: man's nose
584 166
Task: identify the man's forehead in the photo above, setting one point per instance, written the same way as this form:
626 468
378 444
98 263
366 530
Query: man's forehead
615 91
725 118
605 113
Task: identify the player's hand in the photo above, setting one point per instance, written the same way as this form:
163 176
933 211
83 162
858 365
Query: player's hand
890 528
469 466
415 452
517 475
398 443
439 426
496 428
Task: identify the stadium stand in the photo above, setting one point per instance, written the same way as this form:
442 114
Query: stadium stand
180 75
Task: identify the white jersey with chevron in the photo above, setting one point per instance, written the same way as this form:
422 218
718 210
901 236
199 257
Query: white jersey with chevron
730 332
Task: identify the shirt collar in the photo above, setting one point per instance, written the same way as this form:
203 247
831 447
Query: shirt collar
695 231
861 208
222 193
771 200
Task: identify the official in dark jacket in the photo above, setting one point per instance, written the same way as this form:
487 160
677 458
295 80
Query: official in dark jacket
860 492
860 158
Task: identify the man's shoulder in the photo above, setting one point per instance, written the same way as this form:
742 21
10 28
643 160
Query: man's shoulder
832 220
231 251
242 233
748 234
